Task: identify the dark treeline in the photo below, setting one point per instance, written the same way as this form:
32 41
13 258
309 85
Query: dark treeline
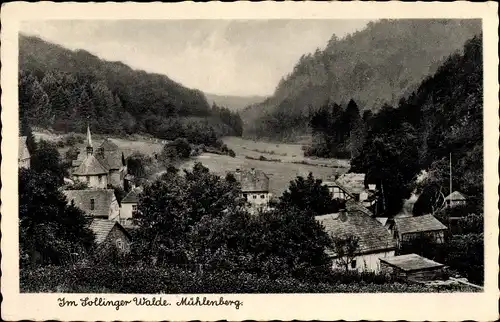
444 116
76 88
337 132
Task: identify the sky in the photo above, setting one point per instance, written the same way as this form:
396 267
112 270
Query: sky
226 57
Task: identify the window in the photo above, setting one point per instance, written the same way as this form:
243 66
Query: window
353 263
262 196
87 178
134 207
254 196
119 244
100 179
92 204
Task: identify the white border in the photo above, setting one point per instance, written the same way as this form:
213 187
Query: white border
477 306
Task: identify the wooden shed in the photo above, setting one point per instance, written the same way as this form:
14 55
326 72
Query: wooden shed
413 267
405 229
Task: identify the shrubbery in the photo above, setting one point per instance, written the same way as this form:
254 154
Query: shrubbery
175 280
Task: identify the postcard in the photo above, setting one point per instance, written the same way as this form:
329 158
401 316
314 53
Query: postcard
249 161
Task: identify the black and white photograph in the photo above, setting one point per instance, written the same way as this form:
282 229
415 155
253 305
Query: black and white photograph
250 156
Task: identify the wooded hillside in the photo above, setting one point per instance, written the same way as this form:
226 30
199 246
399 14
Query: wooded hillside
63 90
377 65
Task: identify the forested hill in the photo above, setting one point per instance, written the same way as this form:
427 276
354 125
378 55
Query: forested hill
64 89
377 65
232 102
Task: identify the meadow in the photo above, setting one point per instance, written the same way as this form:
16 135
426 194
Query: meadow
292 161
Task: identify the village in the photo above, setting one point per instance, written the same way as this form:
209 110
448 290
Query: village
380 238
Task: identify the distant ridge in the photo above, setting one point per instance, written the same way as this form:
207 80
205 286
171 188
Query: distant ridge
233 102
373 66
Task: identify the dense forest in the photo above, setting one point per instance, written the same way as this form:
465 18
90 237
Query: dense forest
374 66
63 90
442 117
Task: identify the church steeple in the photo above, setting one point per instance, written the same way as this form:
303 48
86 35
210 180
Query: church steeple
90 148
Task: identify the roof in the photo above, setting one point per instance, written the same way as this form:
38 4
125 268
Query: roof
109 145
416 224
352 205
102 200
411 262
252 180
90 166
102 227
455 195
354 182
132 196
111 155
373 237
24 153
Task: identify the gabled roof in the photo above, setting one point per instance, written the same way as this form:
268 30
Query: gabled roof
373 237
252 180
90 166
110 155
354 182
23 148
109 145
353 205
102 228
411 262
132 196
455 195
103 199
417 224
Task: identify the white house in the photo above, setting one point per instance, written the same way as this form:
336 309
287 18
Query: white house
374 241
352 186
102 167
455 199
129 206
254 186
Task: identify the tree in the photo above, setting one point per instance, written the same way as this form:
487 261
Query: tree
47 159
173 204
308 194
178 149
345 249
50 230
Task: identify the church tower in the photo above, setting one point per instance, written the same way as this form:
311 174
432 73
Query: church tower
90 148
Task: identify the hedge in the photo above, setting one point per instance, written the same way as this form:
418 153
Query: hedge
152 280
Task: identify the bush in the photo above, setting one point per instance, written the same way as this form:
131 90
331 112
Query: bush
176 280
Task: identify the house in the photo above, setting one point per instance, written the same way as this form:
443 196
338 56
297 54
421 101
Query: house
455 199
109 234
412 267
98 203
352 186
100 168
254 186
110 155
374 241
128 206
405 229
24 157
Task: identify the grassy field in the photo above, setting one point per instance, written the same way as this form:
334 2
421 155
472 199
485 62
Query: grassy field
129 145
280 173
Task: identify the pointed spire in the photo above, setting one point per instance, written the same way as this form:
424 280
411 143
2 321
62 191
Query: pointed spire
89 137
90 148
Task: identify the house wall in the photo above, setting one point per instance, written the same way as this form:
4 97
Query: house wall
115 178
368 262
115 238
114 210
437 237
258 199
100 181
127 210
